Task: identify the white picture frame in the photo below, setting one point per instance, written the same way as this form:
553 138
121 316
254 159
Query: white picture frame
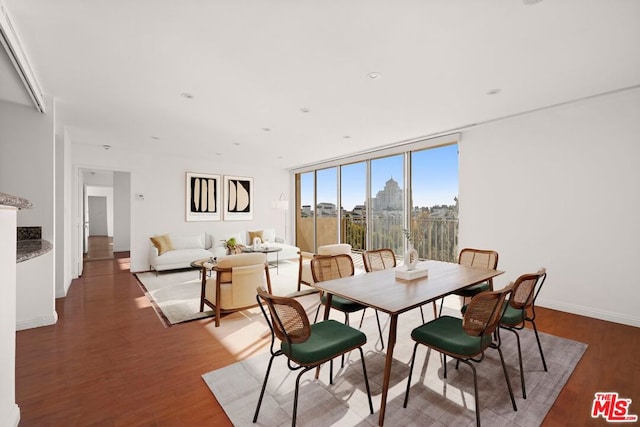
203 196
238 198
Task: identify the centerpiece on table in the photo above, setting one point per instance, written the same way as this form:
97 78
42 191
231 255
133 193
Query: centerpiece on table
408 271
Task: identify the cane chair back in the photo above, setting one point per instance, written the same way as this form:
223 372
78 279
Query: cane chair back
478 258
483 314
466 339
329 267
306 346
521 309
378 259
289 319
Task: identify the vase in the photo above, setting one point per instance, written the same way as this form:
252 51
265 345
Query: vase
411 257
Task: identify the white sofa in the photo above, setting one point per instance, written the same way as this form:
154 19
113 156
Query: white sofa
269 239
188 247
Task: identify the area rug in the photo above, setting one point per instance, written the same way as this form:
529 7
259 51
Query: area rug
175 295
433 400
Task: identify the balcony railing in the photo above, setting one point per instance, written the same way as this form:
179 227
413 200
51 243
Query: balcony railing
433 238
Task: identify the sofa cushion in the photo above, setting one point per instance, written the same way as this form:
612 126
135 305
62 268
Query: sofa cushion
188 241
269 235
162 243
253 235
335 249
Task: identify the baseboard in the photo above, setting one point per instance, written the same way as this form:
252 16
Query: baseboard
37 322
13 417
590 312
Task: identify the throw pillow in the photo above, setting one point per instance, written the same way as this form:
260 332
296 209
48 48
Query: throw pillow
162 243
254 234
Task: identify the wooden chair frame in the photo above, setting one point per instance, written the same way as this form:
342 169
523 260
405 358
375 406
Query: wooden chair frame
525 291
482 318
223 276
294 329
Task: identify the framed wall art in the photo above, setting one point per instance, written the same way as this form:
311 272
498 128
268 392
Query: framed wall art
238 198
203 197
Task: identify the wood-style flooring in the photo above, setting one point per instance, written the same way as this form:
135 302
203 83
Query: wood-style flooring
99 248
109 361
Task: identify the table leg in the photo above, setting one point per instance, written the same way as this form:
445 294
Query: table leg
203 274
387 366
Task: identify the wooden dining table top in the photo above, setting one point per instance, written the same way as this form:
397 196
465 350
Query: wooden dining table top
383 291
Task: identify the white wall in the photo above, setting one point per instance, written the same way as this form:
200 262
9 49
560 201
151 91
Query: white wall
121 211
107 193
27 169
8 408
561 188
161 180
63 215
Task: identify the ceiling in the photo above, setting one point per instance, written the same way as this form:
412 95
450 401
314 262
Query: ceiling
286 83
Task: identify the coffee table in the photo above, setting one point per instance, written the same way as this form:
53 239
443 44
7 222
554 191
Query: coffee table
199 264
266 250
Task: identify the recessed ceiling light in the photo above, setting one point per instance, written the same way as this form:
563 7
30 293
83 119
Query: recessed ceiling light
374 75
106 147
280 157
218 154
155 137
494 91
266 129
186 95
346 137
305 110
236 143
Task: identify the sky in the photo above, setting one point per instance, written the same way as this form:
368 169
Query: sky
434 177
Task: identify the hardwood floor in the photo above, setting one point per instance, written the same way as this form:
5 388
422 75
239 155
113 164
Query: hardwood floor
110 362
99 248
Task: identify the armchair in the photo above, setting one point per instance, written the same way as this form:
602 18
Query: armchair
234 286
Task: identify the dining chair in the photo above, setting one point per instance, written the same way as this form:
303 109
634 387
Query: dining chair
378 259
306 346
466 339
233 287
329 267
520 309
381 259
304 269
475 258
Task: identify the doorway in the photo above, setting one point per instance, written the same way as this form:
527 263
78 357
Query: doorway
105 215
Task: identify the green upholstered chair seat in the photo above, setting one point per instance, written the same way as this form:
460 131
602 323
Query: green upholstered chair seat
446 333
343 304
512 316
472 290
328 339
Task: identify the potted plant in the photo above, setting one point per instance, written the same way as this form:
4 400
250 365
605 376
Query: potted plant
230 245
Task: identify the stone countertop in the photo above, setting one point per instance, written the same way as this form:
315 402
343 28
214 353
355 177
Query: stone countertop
15 201
28 249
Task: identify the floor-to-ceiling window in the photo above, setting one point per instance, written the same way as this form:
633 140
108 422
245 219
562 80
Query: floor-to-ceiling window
305 221
386 201
327 206
353 192
434 202
367 200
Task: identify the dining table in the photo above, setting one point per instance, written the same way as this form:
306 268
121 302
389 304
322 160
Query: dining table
384 291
